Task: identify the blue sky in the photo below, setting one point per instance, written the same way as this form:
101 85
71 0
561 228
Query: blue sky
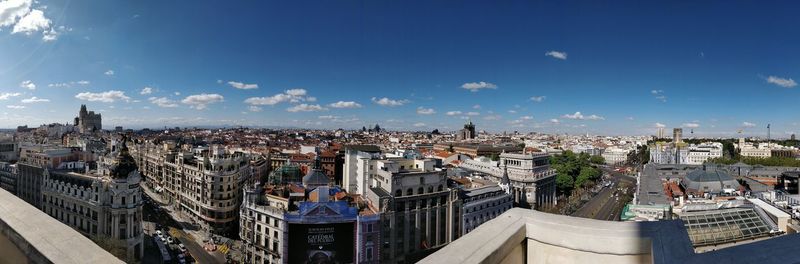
566 67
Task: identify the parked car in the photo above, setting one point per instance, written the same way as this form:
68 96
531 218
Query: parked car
158 232
182 247
169 240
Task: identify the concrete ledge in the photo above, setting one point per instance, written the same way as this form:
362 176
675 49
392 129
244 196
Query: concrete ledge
44 239
498 242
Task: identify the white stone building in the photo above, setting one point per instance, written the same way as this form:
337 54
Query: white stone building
103 203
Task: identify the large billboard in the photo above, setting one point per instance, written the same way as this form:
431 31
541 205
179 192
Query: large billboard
322 243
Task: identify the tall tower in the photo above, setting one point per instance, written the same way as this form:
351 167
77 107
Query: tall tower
505 182
677 133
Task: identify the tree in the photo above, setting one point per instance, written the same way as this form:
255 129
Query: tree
564 183
597 159
495 157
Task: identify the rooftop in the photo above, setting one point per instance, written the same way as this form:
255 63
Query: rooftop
528 236
29 235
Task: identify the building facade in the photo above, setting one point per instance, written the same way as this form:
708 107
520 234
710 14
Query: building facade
308 223
203 183
88 121
105 203
419 212
359 167
532 180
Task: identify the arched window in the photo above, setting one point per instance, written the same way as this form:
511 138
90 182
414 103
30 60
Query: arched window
409 192
398 193
430 189
420 190
440 188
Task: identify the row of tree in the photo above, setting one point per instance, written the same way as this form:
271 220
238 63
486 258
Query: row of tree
575 170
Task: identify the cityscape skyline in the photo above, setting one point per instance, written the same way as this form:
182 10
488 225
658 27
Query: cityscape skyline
608 69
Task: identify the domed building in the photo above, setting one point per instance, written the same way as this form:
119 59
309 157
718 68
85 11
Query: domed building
316 177
709 180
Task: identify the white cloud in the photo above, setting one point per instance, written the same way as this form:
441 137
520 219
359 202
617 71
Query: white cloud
201 101
105 97
11 10
109 72
243 86
512 111
660 125
68 84
782 82
15 106
579 116
32 22
557 54
146 90
691 125
343 104
748 124
554 121
425 111
477 86
296 92
453 113
389 102
305 108
538 99
254 108
492 117
328 117
34 100
473 113
659 94
477 106
526 118
292 96
162 102
6 96
28 84
419 124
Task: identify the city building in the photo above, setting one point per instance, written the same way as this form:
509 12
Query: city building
748 149
34 160
482 201
419 213
476 150
700 153
359 167
8 177
468 132
308 223
532 179
204 183
88 121
102 203
615 155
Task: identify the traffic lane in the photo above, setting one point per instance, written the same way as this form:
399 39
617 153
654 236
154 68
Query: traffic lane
200 255
163 219
596 201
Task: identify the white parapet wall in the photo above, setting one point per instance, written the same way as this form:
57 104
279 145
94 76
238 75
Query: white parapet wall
26 231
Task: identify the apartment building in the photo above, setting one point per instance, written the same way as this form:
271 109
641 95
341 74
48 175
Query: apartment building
202 182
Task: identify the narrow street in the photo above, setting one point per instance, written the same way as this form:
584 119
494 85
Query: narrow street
157 215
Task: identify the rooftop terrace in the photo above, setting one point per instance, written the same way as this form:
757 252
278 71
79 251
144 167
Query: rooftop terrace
28 235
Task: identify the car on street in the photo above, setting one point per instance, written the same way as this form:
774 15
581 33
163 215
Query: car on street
158 232
169 240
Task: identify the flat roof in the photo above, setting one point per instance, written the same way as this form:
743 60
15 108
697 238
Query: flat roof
769 208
